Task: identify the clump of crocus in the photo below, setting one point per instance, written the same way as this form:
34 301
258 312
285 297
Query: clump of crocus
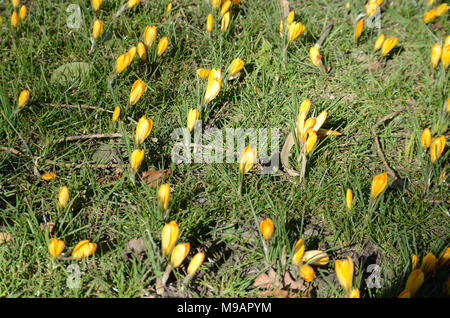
84 249
56 247
213 86
192 118
63 197
137 90
248 158
143 129
163 196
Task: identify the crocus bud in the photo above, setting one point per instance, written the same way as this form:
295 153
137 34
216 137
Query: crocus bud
315 56
122 62
225 22
168 7
63 197
164 195
136 92
309 124
116 114
136 158
214 85
295 29
55 247
344 272
349 199
195 263
415 280
267 228
429 15
426 138
354 293
388 45
404 294
299 250
192 119
97 29
281 27
15 3
436 148
442 9
203 73
216 4
209 23
83 249
225 7
436 52
132 3
235 66
142 52
162 45
307 273
23 12
359 29
379 183
149 36
169 236
316 257
143 129
428 263
179 253
445 58
14 19
310 142
290 17
96 4
24 96
48 176
379 42
248 158
414 260
444 257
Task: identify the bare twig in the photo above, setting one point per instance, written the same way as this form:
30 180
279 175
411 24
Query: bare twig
91 136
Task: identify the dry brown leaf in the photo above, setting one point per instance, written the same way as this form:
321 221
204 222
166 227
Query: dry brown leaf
49 225
136 247
277 292
153 177
4 237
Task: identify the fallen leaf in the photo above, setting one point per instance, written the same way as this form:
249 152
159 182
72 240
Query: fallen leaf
49 226
277 292
153 177
136 247
4 237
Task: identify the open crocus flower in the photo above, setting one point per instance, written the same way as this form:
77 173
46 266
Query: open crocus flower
344 272
295 29
136 92
143 129
248 158
379 183
169 236
83 249
214 85
55 247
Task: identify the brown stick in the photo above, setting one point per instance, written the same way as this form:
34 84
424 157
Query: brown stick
91 136
377 142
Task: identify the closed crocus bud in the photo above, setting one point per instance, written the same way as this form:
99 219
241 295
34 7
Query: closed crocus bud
307 273
168 7
299 250
169 236
24 96
281 27
214 85
388 45
379 42
428 263
310 142
84 249
315 56
248 158
132 3
216 4
203 73
162 45
236 65
192 119
359 29
136 158
379 183
143 129
15 3
179 253
225 22
414 261
447 40
14 19
195 263
164 195
405 294
149 36
426 138
349 199
442 9
316 257
56 247
142 52
295 29
23 12
225 7
63 197
429 15
415 280
444 257
436 148
209 23
97 29
344 272
290 17
116 114
122 62
436 52
132 53
267 228
445 58
96 4
136 92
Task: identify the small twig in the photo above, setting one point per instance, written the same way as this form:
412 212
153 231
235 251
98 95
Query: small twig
377 142
91 136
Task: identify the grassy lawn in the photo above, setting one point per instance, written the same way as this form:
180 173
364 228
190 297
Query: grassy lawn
367 97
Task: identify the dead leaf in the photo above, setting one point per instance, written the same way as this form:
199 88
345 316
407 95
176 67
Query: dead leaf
153 177
277 292
4 237
136 247
49 226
